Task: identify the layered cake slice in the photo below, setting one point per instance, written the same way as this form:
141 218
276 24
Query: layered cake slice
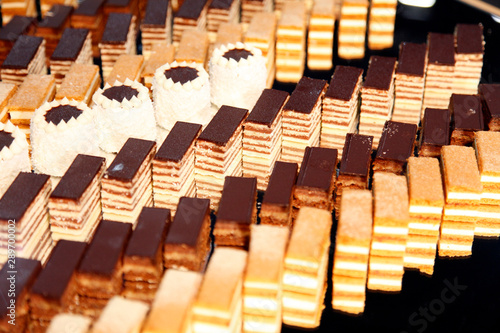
352 29
193 47
252 8
127 183
192 14
173 166
156 26
469 51
79 83
262 136
490 98
90 15
467 118
435 132
27 56
79 323
381 24
7 91
302 119
10 32
127 66
160 54
121 315
341 107
221 11
75 203
320 35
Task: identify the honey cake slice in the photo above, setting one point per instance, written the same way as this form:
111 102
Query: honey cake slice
80 83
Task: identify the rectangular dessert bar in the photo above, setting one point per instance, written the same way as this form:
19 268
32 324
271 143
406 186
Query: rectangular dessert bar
156 26
469 45
352 29
191 14
160 54
51 28
467 118
90 15
381 24
193 47
80 83
7 91
490 98
10 32
435 132
127 66
27 56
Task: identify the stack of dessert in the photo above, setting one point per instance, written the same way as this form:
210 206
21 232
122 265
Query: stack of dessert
490 97
250 8
352 29
89 14
52 26
320 39
381 25
191 14
222 11
10 32
156 26
435 132
467 116
27 56
469 44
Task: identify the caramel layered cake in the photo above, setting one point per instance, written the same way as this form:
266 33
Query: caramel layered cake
381 24
252 8
193 47
75 46
54 289
469 50
218 306
127 66
261 33
340 107
181 92
291 42
171 309
440 72
222 11
377 97
192 14
121 315
352 250
12 8
160 54
26 203
30 269
79 83
262 136
10 32
14 154
354 171
126 185
60 130
118 38
156 26
302 119
463 188
352 29
27 56
237 212
396 146
426 208
390 232
143 257
237 75
262 286
316 180
276 205
218 153
75 203
99 275
123 110
173 166
487 146
7 91
410 81
490 98
435 132
90 15
52 26
306 266
187 245
78 323
320 39
467 118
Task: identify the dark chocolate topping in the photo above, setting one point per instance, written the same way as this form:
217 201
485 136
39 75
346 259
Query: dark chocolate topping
78 177
6 139
238 200
191 9
490 95
20 194
306 94
119 93
223 125
412 59
156 13
17 26
188 221
441 48
106 249
343 82
117 28
150 232
70 44
117 3
221 4
56 16
237 54
178 141
469 38
436 127
466 112
281 183
397 141
317 168
89 7
380 72
55 277
181 74
22 52
268 107
129 159
62 113
356 156
26 272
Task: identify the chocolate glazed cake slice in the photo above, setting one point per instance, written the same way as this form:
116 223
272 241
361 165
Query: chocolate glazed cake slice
435 132
52 26
90 15
467 118
191 14
10 32
469 46
156 25
490 98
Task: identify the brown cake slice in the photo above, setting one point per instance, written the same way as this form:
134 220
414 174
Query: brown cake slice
90 15
52 26
467 118
156 26
10 32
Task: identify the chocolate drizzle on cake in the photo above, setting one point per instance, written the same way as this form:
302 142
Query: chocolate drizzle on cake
237 54
6 139
62 113
119 93
181 74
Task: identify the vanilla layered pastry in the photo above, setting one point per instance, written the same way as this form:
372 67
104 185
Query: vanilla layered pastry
14 156
60 130
123 110
181 92
237 75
